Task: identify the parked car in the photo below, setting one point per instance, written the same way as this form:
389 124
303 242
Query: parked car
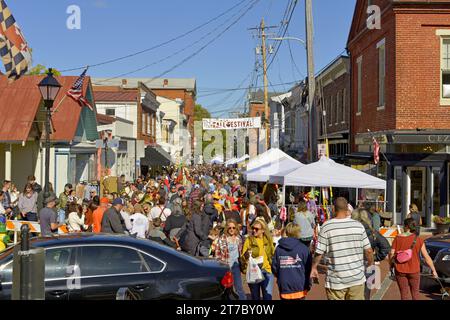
102 267
438 248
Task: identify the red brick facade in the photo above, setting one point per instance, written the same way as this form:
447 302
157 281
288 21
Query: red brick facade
413 57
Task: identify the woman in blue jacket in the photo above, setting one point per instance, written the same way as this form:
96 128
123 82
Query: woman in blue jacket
291 264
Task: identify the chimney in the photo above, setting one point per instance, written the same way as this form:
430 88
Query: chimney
166 82
124 82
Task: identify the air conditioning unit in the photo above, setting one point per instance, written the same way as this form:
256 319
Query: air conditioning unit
446 90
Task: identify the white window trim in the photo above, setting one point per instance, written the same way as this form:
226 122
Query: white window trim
443 34
380 43
359 83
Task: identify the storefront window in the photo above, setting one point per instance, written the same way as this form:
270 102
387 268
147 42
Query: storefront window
398 189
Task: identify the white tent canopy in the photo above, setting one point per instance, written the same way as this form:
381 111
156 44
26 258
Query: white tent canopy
327 173
230 162
237 160
271 155
217 160
263 173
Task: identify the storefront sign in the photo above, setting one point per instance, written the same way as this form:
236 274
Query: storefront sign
422 138
231 124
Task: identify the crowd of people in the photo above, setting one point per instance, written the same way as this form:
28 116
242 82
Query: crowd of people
209 211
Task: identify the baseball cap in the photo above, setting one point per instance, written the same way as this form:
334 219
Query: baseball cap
50 199
118 201
181 188
104 200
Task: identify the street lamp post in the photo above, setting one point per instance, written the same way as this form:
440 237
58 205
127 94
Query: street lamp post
49 88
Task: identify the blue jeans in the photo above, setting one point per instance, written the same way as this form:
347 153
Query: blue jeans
237 279
31 216
266 287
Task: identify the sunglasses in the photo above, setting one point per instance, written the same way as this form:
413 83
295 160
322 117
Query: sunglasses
256 229
231 228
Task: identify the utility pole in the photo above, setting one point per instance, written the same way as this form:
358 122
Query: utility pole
262 28
266 84
311 76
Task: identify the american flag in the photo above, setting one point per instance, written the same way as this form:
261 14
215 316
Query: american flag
376 151
76 92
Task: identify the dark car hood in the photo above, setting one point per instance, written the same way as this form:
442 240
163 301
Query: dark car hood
439 238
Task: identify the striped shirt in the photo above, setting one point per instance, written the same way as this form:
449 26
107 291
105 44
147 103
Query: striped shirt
343 242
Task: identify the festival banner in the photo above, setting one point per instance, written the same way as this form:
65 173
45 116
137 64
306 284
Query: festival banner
232 124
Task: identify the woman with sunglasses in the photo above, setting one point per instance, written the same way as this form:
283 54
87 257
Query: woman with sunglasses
228 250
260 245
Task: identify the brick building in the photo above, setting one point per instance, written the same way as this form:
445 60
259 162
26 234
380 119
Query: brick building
333 111
400 77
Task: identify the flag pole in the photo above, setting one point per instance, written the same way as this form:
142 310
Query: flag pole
59 104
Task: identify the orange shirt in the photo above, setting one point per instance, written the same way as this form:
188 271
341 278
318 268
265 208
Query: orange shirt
97 217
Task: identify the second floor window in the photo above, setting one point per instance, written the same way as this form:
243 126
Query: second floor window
445 66
381 73
359 87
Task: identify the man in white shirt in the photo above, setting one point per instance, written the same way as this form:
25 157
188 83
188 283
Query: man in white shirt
345 243
160 211
139 223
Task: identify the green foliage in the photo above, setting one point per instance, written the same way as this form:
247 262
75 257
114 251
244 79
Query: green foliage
39 70
441 220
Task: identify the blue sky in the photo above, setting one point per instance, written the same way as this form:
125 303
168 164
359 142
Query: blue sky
114 28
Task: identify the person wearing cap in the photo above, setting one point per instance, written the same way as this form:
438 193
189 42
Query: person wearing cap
112 221
97 216
48 218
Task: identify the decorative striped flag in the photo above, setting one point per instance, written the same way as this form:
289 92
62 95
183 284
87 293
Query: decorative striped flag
14 51
76 92
376 151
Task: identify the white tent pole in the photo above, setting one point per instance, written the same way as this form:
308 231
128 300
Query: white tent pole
284 195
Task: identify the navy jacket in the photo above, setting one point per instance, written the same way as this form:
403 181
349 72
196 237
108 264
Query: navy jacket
291 264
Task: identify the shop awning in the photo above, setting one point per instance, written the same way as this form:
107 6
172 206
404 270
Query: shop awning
156 156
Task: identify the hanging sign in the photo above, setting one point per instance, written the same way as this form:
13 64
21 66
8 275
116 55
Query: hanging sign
231 124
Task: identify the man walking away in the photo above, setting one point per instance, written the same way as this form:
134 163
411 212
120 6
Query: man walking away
48 218
345 242
112 219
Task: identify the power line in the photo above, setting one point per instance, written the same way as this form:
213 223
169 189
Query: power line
162 44
238 89
292 4
193 54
